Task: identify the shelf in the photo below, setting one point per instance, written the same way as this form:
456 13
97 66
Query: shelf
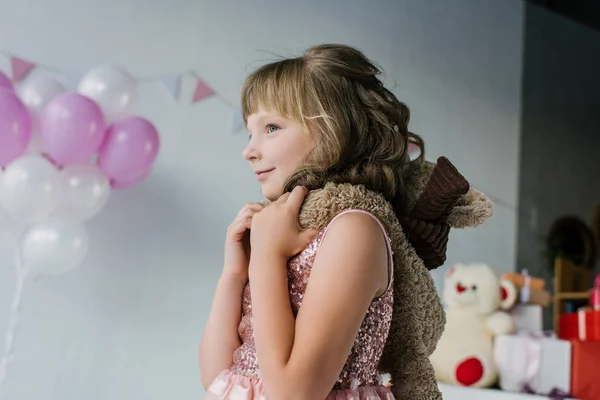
572 296
569 280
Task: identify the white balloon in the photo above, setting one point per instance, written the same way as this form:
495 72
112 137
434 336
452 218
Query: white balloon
112 88
86 191
36 146
30 189
35 93
54 247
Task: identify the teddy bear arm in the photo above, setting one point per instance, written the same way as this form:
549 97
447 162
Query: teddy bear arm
500 323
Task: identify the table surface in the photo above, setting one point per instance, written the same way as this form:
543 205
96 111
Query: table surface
450 392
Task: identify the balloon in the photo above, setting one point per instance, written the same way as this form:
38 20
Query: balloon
35 147
72 129
36 93
55 246
86 191
30 189
15 127
125 184
5 82
112 88
130 149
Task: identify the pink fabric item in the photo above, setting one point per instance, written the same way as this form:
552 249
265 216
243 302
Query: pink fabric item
230 386
358 380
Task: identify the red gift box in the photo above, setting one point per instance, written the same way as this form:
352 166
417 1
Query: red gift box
585 374
581 325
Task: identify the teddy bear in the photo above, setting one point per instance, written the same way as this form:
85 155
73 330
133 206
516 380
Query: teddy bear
475 300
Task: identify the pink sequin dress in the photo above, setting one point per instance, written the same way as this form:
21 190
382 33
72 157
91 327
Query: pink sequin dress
359 379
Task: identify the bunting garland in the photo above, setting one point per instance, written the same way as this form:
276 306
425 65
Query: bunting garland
21 68
172 83
203 91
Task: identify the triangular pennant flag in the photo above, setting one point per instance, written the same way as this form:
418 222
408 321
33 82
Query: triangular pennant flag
237 121
171 82
202 91
20 68
72 81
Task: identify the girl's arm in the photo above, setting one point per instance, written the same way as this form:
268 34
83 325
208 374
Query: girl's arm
302 358
220 337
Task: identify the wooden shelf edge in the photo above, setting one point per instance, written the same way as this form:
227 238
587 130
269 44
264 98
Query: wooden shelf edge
572 296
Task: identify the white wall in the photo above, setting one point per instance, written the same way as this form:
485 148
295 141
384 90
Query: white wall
127 324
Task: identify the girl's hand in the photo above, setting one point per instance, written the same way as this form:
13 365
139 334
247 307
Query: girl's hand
237 242
276 231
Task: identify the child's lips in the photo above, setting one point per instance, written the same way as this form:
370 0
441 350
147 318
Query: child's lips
260 175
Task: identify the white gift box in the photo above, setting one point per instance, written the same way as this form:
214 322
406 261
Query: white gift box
541 364
527 318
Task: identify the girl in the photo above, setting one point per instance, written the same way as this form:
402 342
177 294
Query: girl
328 143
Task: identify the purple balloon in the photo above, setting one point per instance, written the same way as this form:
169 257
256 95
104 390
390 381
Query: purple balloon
129 150
72 128
5 82
15 127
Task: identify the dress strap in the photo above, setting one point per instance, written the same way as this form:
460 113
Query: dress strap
388 243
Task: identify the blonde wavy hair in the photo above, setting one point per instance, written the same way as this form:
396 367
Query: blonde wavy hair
334 92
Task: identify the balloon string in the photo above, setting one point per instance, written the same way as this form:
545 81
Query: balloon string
13 319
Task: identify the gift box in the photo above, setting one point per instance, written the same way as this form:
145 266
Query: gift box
525 280
585 375
533 364
531 289
536 297
527 318
580 325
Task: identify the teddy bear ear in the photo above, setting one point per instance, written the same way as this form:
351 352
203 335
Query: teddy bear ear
508 294
452 270
471 210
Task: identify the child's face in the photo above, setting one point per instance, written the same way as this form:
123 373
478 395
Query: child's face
277 147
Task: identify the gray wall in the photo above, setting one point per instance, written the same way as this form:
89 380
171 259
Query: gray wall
126 325
560 141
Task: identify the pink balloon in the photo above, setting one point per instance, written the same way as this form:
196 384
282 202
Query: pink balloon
72 128
129 183
5 82
129 150
15 127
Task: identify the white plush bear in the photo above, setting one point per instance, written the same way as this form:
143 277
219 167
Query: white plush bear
473 295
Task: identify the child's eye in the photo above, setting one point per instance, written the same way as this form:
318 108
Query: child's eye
272 128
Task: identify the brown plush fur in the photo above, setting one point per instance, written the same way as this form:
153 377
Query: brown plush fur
472 210
415 177
418 317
